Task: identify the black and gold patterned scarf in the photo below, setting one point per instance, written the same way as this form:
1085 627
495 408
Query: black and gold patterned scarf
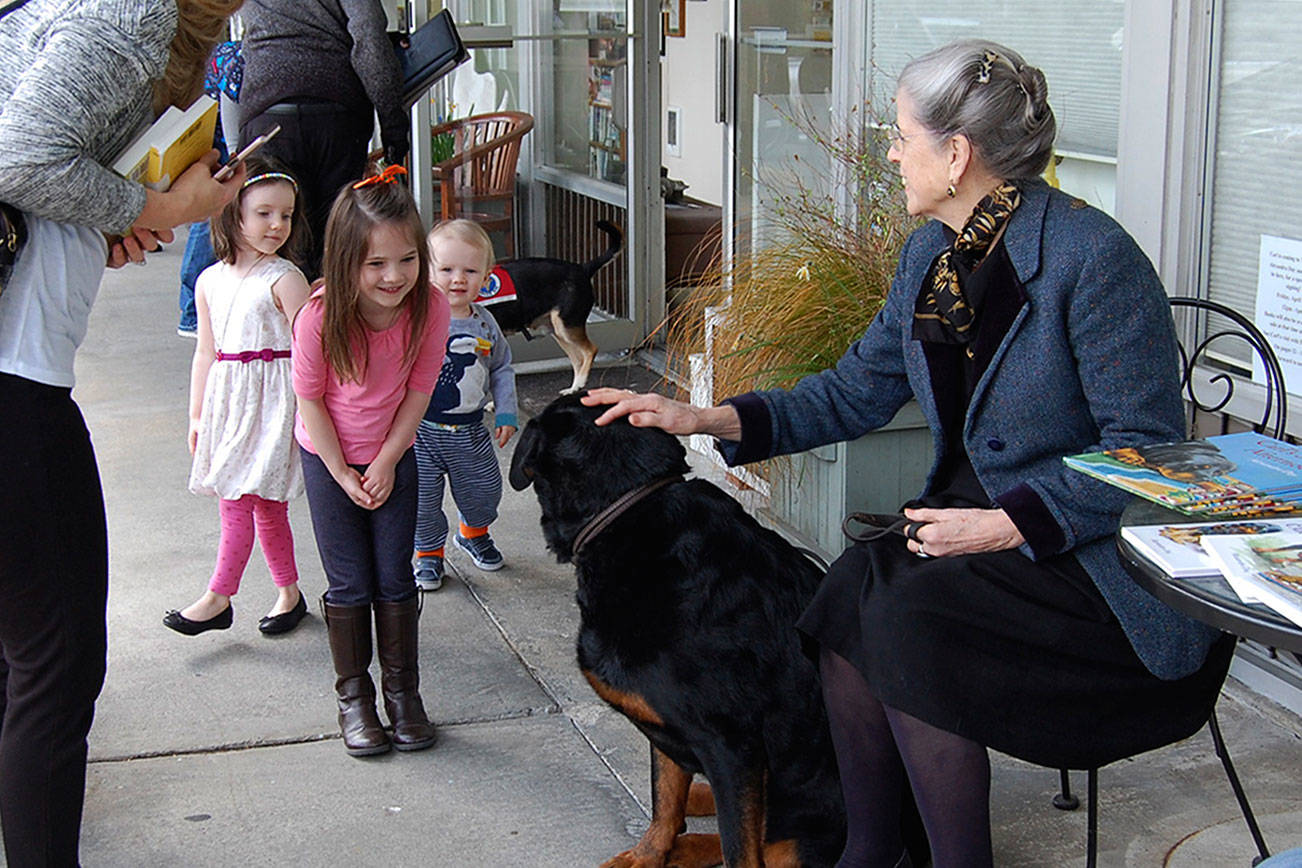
942 313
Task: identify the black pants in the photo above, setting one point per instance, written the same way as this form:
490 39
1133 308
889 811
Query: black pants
366 553
324 147
53 592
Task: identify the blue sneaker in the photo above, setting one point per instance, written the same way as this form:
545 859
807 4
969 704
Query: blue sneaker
481 551
428 572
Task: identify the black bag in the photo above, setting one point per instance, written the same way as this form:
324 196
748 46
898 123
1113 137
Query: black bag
426 55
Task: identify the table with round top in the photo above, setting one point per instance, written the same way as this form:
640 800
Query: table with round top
1209 599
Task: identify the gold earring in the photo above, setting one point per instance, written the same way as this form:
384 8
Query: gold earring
950 191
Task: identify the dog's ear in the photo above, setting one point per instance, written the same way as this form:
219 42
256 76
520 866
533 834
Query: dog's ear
527 450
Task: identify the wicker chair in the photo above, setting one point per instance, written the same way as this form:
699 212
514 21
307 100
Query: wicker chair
481 170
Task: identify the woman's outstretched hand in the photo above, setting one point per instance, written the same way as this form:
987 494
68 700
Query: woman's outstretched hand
946 532
649 410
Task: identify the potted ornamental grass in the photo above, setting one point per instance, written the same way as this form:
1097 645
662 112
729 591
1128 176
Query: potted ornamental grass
791 301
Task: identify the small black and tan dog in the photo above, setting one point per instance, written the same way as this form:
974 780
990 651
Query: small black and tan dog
688 609
558 294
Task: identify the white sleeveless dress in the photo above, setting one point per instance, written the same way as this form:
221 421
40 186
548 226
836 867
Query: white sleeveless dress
246 430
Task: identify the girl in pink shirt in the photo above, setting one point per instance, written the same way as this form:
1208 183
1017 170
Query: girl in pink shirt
367 349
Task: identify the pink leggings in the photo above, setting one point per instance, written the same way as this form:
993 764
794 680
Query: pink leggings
239 518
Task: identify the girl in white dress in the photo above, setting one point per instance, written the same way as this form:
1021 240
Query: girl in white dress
242 398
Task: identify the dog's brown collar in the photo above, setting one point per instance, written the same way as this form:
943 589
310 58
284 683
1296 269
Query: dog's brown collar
602 520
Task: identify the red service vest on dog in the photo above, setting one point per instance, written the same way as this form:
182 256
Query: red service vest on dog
499 287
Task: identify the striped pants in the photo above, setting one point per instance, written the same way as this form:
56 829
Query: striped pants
465 456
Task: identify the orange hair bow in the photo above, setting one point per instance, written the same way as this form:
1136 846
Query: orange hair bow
388 176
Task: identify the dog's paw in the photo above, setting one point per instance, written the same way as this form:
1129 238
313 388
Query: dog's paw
695 850
635 858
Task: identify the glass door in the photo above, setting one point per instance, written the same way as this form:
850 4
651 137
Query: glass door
780 60
576 66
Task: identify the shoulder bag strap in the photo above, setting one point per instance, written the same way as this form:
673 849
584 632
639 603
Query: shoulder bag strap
10 7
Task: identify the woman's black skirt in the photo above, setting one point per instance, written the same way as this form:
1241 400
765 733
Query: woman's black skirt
1021 656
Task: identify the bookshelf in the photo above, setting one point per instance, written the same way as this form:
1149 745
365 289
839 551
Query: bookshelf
606 123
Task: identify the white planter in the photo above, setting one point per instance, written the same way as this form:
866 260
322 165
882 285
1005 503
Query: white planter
808 499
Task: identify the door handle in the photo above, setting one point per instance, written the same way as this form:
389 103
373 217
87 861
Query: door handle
722 76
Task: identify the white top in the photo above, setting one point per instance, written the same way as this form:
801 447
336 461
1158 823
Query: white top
45 306
246 428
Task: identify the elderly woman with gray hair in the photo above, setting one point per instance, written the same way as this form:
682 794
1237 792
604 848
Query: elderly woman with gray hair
1027 326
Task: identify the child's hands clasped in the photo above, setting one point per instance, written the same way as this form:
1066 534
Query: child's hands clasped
352 483
502 434
377 482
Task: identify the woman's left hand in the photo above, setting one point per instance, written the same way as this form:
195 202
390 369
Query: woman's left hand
946 532
134 246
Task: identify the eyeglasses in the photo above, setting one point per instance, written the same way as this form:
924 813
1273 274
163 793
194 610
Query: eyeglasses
898 139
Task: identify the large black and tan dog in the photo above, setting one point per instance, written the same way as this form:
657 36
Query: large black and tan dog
558 294
688 609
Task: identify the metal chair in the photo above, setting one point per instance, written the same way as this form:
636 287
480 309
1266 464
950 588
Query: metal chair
481 170
1273 421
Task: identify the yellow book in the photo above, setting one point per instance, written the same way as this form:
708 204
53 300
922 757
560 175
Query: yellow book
171 144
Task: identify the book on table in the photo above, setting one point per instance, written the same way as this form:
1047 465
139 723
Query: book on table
1229 475
1266 568
170 145
1177 548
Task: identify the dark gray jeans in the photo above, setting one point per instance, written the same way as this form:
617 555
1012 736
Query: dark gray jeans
366 553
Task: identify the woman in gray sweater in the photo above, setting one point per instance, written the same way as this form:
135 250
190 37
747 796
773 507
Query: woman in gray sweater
79 81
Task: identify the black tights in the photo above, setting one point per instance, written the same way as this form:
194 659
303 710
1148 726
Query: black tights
881 753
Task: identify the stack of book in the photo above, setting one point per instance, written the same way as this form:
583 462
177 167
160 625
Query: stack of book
1233 475
1261 560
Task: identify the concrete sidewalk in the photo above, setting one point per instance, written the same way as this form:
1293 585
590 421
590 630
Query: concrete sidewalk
222 749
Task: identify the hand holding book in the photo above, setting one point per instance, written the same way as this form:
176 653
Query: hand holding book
195 196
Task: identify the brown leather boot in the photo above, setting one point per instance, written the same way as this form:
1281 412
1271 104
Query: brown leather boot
395 635
349 628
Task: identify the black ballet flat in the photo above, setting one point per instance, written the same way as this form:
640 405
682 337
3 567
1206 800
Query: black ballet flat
181 624
272 625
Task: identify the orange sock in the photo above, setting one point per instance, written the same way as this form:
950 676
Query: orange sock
472 532
436 553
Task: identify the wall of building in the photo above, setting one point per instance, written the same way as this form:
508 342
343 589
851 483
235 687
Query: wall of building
687 82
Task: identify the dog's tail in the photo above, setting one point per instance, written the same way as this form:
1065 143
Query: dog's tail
616 242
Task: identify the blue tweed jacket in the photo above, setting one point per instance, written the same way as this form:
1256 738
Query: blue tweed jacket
1090 362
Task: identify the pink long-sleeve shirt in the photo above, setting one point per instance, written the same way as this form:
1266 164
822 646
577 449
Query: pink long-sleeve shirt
363 412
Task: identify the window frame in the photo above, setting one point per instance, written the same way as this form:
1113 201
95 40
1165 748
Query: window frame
1165 156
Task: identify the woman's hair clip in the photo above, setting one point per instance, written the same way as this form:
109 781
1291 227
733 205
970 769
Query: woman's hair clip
988 59
388 176
269 176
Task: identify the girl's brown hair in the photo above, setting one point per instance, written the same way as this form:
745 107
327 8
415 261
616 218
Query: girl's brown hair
467 232
226 224
347 240
200 24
